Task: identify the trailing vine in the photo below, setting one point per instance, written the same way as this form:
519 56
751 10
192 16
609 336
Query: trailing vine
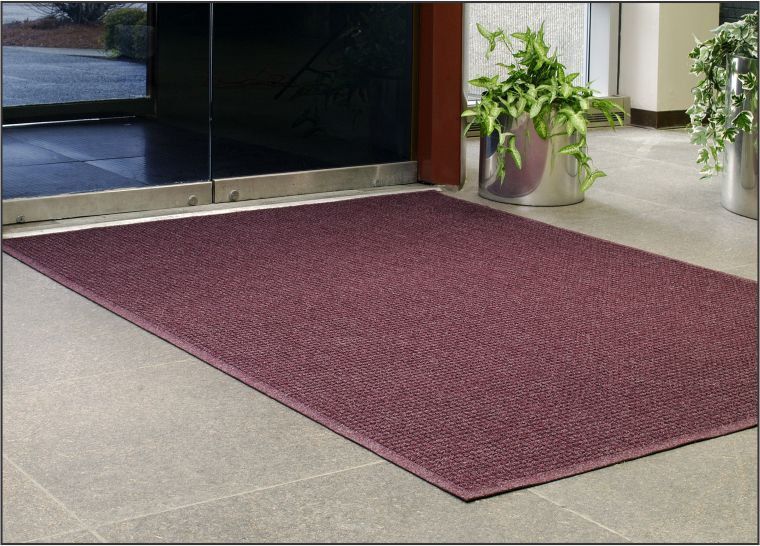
537 85
711 127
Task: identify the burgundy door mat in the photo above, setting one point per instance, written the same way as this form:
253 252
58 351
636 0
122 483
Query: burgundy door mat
482 351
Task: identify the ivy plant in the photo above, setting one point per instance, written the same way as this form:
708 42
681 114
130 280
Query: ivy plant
710 126
538 86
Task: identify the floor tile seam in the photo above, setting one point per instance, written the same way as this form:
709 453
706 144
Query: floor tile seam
648 158
53 536
71 160
36 388
75 160
699 213
238 494
580 515
55 500
660 206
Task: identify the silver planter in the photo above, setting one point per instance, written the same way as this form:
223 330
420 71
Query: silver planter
546 179
740 158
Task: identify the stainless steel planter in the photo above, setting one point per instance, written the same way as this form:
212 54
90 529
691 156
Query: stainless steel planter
740 158
547 178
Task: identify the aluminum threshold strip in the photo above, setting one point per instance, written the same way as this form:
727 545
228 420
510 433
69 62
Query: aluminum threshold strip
127 218
317 181
73 205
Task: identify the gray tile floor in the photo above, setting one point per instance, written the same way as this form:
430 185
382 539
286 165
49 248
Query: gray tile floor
111 434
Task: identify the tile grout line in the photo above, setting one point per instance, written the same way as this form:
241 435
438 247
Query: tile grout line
650 202
49 537
55 499
240 494
583 516
53 384
645 158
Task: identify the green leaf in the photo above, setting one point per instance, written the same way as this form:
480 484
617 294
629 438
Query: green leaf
749 81
536 108
572 149
483 31
488 128
609 118
484 81
743 121
490 36
575 120
514 152
520 106
539 123
590 178
560 119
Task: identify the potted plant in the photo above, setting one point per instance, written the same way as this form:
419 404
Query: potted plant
724 115
536 116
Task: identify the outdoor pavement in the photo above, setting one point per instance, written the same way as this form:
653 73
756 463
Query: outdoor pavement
39 75
112 434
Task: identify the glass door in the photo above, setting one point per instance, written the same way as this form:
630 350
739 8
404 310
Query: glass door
311 97
73 59
105 108
117 107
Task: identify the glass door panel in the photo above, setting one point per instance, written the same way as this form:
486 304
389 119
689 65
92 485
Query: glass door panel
301 87
97 101
74 52
156 105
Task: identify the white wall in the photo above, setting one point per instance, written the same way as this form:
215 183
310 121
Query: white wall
655 40
679 23
639 35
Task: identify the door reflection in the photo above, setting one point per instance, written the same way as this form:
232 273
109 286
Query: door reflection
310 86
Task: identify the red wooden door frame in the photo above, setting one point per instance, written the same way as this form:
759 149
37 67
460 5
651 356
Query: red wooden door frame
440 94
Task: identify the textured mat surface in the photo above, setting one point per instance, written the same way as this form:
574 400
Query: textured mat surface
481 351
